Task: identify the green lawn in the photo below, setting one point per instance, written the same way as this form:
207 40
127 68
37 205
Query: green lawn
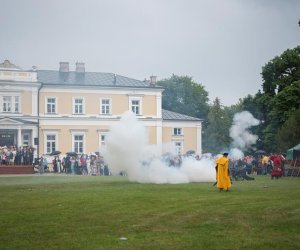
93 212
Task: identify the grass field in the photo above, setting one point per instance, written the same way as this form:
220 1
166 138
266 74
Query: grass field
93 212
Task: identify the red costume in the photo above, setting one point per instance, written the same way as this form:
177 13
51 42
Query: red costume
277 168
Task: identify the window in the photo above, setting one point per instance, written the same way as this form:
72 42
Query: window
105 106
17 104
178 147
26 139
102 139
50 143
135 106
78 143
51 105
11 104
102 135
78 106
177 131
6 104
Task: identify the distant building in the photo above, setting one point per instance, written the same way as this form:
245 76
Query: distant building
73 110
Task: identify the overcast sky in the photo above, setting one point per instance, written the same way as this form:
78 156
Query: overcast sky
221 44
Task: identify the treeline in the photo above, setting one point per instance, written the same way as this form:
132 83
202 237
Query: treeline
276 105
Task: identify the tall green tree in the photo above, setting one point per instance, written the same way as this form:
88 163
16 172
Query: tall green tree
281 94
185 96
216 137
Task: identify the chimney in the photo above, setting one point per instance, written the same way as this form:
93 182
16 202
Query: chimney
152 80
64 67
80 67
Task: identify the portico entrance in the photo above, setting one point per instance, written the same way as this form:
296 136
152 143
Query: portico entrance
17 132
19 137
8 137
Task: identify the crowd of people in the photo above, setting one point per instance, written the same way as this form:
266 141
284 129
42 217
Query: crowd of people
260 165
226 169
84 164
13 155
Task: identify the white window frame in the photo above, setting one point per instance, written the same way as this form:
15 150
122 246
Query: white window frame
27 141
109 106
101 141
177 131
55 104
17 104
140 106
7 104
74 141
12 103
178 147
55 134
74 105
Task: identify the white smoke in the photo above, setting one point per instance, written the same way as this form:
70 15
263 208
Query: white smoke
242 138
127 150
239 132
236 154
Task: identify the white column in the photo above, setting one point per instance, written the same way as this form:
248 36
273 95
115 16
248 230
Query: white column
158 105
199 138
19 137
33 135
159 134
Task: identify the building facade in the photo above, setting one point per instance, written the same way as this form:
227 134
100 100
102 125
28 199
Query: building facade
19 105
73 110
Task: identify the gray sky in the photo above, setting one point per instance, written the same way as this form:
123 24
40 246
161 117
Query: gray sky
222 44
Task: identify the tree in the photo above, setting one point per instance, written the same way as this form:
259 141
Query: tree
281 94
184 96
289 134
216 137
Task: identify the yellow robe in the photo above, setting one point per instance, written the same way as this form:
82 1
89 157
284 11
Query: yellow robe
223 178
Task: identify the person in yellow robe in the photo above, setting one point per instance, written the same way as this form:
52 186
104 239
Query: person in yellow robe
223 178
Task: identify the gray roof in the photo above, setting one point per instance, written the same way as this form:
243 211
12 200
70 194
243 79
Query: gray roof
169 115
52 77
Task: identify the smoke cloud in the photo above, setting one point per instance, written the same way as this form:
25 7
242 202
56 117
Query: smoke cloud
242 138
239 132
127 150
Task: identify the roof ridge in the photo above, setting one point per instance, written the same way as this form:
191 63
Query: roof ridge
72 71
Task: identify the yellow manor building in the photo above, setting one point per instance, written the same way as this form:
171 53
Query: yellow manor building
73 110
